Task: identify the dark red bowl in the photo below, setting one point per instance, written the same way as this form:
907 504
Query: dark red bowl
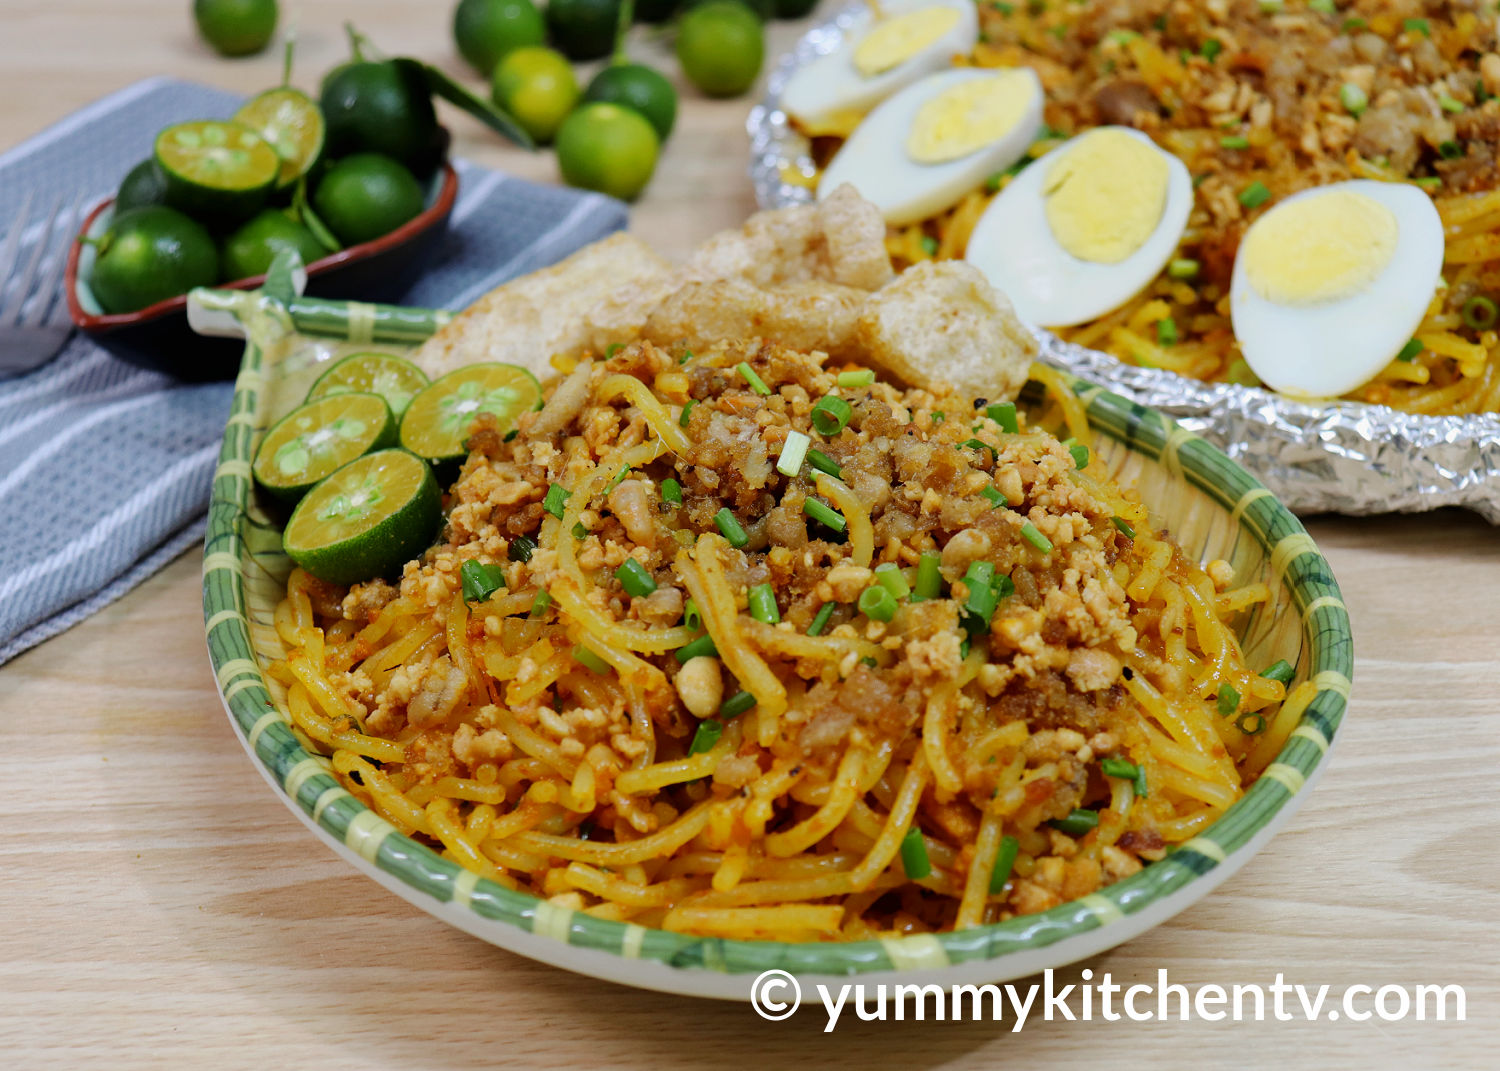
158 336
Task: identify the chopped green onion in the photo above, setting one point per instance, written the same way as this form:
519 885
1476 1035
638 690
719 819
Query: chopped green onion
980 579
1140 783
702 647
1122 37
691 616
1229 699
938 417
1451 150
890 577
1005 861
861 378
612 349
1255 194
1076 824
1354 23
1354 99
1124 769
1124 527
1480 313
823 463
521 549
706 737
557 496
996 498
929 244
730 526
1032 535
619 478
1272 7
589 660
687 412
1322 7
831 415
671 491
541 603
1080 453
992 184
1004 414
878 604
1250 723
1234 141
1280 670
480 580
820 620
914 858
1166 331
1421 26
929 578
1410 350
980 444
1448 104
736 705
634 579
793 452
823 514
1211 48
687 355
1183 268
763 604
579 531
747 373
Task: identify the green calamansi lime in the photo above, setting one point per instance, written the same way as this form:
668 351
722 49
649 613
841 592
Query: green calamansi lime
607 148
486 30
143 185
538 88
365 196
236 27
250 249
439 418
383 107
638 87
319 438
394 378
292 124
150 254
583 29
721 45
215 170
367 519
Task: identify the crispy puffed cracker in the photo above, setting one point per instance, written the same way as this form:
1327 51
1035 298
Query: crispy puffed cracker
585 301
941 321
807 315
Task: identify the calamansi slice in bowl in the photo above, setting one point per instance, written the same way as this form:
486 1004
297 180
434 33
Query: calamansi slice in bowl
367 519
394 378
292 123
438 420
317 439
216 168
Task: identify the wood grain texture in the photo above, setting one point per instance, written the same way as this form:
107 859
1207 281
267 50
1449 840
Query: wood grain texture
159 908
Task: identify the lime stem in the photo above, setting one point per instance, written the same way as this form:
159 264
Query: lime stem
622 28
356 42
286 58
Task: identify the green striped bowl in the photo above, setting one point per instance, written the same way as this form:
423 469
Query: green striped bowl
1215 509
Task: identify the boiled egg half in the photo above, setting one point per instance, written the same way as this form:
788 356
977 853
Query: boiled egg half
1085 228
1331 284
876 58
922 150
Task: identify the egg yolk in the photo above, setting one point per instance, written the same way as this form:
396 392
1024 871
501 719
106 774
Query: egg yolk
1106 195
894 41
1319 249
968 116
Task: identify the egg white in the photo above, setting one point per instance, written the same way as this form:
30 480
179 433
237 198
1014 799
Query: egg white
1325 350
832 84
875 162
1015 248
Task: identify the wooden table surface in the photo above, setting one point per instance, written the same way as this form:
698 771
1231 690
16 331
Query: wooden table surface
159 907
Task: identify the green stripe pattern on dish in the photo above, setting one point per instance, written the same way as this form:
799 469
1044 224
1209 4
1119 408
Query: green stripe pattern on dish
366 520
439 419
394 378
319 438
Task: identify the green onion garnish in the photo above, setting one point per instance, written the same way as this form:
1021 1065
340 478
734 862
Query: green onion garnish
1183 268
876 603
1480 313
980 444
1166 331
702 647
1234 141
862 378
687 355
1322 7
1272 7
557 497
823 514
996 498
736 705
730 526
634 579
1004 414
1280 670
1211 48
1076 824
890 577
579 531
763 604
1251 724
983 598
521 549
671 491
938 417
1451 150
480 580
929 244
1124 769
914 858
1079 451
691 617
823 463
687 413
1032 535
831 415
929 578
1410 350
1005 861
1255 194
541 603
612 349
1125 529
820 619
1354 99
1421 26
747 373
1229 699
619 478
1354 23
793 452
589 660
706 737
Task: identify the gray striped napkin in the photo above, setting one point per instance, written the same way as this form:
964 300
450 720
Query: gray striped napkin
104 467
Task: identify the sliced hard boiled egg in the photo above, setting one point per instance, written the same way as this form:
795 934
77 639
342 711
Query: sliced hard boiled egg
1331 283
922 150
878 57
1085 228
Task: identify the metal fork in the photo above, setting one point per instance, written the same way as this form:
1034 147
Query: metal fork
34 316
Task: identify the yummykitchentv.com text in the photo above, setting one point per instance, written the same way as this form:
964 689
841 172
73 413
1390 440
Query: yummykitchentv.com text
776 995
